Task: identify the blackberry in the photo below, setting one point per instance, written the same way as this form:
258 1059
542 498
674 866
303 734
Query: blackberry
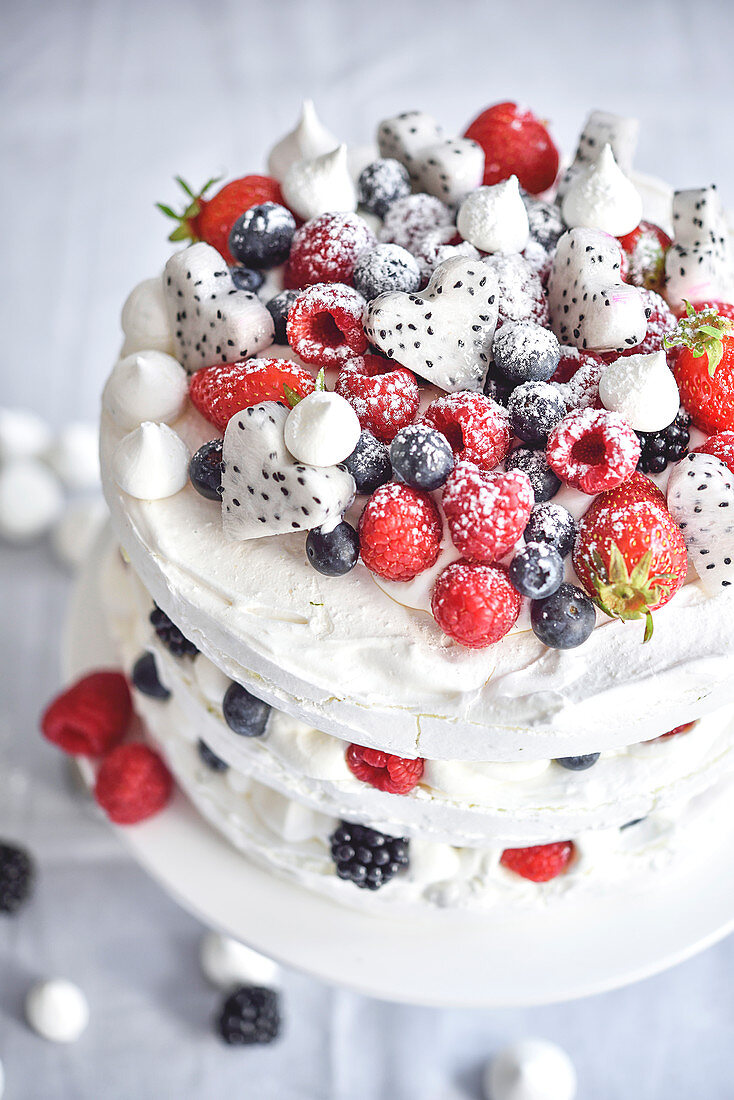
261 237
386 267
369 463
534 463
578 763
382 183
205 470
367 858
669 445
212 761
246 278
170 635
334 552
17 874
244 713
249 1015
145 677
421 457
278 308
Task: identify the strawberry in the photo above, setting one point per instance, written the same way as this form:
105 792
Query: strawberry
645 248
636 488
685 728
726 309
393 774
211 218
517 143
220 391
541 862
704 367
630 555
721 446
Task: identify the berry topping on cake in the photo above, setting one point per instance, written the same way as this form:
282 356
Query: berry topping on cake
400 532
219 392
90 717
698 262
486 513
642 389
333 552
244 713
494 219
517 143
526 352
536 570
366 857
668 445
17 875
325 249
385 268
262 236
522 296
322 428
279 307
210 217
552 523
563 620
721 446
410 220
704 368
593 450
541 862
475 604
369 463
146 680
132 784
170 635
392 774
701 500
325 324
381 183
534 409
213 762
629 556
421 457
445 333
249 1015
646 248
205 470
476 427
578 763
384 396
533 462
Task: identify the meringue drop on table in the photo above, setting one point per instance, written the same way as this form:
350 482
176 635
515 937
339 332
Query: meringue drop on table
307 140
601 197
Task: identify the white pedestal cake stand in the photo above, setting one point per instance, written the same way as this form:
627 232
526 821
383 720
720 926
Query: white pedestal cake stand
446 958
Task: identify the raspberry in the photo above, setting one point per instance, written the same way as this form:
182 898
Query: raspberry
476 427
540 863
91 716
325 324
132 784
644 250
593 450
721 446
220 391
515 143
326 249
486 513
410 220
678 729
475 604
521 293
393 774
385 397
400 532
573 360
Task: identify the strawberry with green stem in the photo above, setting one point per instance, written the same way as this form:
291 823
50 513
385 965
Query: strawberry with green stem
703 342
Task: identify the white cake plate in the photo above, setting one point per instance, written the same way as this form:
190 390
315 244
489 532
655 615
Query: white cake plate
448 958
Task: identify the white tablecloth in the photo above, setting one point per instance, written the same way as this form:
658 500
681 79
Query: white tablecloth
102 103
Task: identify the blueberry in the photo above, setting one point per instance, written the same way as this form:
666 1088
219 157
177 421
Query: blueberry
210 758
421 457
535 408
578 763
278 308
497 387
565 619
369 463
261 237
205 470
386 267
145 677
535 464
536 570
526 352
552 523
545 221
244 713
335 552
382 183
246 278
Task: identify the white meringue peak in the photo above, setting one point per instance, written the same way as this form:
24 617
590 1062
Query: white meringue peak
147 385
151 463
309 139
642 389
320 185
494 219
601 197
322 429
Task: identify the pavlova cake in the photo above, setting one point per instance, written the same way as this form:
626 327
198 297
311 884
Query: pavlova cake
420 466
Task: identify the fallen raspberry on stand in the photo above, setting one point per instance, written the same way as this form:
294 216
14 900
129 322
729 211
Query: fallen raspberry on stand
476 427
220 391
541 862
91 716
515 143
326 249
486 513
132 784
399 532
384 396
392 774
475 604
325 324
593 450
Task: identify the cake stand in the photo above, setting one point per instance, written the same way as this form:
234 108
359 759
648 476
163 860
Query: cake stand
447 958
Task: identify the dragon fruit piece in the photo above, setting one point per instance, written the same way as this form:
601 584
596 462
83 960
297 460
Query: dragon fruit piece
698 265
265 491
701 501
603 128
444 334
405 135
212 321
449 169
590 307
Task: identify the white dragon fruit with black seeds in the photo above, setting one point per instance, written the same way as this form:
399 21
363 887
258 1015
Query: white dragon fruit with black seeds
590 307
265 491
449 169
212 321
444 334
701 501
403 136
698 265
603 128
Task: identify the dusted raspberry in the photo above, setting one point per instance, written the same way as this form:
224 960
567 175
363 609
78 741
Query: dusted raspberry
593 450
325 324
393 774
91 716
220 391
515 143
721 446
573 360
132 784
385 397
476 427
326 249
522 296
399 532
410 220
540 863
486 513
475 604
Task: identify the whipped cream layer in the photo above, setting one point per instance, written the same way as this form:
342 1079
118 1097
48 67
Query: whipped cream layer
465 803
